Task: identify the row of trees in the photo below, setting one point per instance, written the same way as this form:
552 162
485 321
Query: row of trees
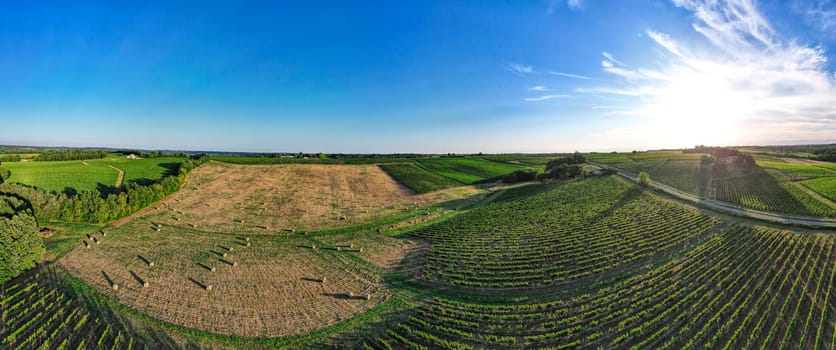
20 246
69 154
564 168
92 206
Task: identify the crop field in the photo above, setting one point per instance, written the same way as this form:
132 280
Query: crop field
418 179
254 286
36 314
470 170
761 190
90 174
824 186
749 287
676 169
292 197
768 187
547 235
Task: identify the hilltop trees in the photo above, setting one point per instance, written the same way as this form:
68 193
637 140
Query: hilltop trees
564 168
20 246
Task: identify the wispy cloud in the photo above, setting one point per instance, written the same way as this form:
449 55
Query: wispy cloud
575 4
569 75
748 85
820 14
519 68
546 97
538 88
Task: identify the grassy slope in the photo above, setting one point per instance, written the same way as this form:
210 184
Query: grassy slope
469 170
56 176
417 178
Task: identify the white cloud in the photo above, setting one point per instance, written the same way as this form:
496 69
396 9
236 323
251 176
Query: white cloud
575 4
821 14
519 68
546 97
748 86
538 88
610 57
569 75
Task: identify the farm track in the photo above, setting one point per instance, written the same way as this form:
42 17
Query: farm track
121 177
723 207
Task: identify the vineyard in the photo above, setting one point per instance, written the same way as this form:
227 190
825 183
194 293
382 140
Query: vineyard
824 186
36 313
761 190
418 179
767 187
679 170
748 287
546 235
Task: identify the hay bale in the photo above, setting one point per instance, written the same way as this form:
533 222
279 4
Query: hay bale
339 248
350 294
150 264
230 248
313 246
209 287
248 244
360 250
323 279
86 245
367 296
234 263
144 284
115 286
289 230
247 239
157 229
103 233
212 269
96 240
223 254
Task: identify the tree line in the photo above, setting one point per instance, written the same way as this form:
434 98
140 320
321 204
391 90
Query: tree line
93 206
69 154
20 246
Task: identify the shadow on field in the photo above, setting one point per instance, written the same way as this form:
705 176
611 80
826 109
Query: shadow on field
106 190
171 169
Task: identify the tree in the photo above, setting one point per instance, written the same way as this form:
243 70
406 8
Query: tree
643 179
20 246
322 156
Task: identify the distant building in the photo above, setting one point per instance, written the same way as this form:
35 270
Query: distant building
132 156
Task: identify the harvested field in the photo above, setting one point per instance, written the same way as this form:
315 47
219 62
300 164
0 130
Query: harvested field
272 290
276 198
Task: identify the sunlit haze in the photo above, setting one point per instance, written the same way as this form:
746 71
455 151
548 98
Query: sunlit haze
427 77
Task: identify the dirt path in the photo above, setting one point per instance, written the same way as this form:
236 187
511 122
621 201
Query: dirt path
723 207
121 176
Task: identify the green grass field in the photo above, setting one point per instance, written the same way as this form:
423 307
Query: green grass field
93 174
824 186
417 178
470 170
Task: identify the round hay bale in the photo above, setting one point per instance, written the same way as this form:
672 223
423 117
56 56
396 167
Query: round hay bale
247 239
145 284
367 296
224 255
339 248
361 249
234 263
103 233
350 294
212 269
157 229
209 287
351 245
151 264
231 248
313 246
96 240
248 244
323 279
115 286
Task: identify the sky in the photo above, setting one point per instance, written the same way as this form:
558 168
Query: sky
417 76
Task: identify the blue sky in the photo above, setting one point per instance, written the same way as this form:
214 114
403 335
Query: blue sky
509 76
